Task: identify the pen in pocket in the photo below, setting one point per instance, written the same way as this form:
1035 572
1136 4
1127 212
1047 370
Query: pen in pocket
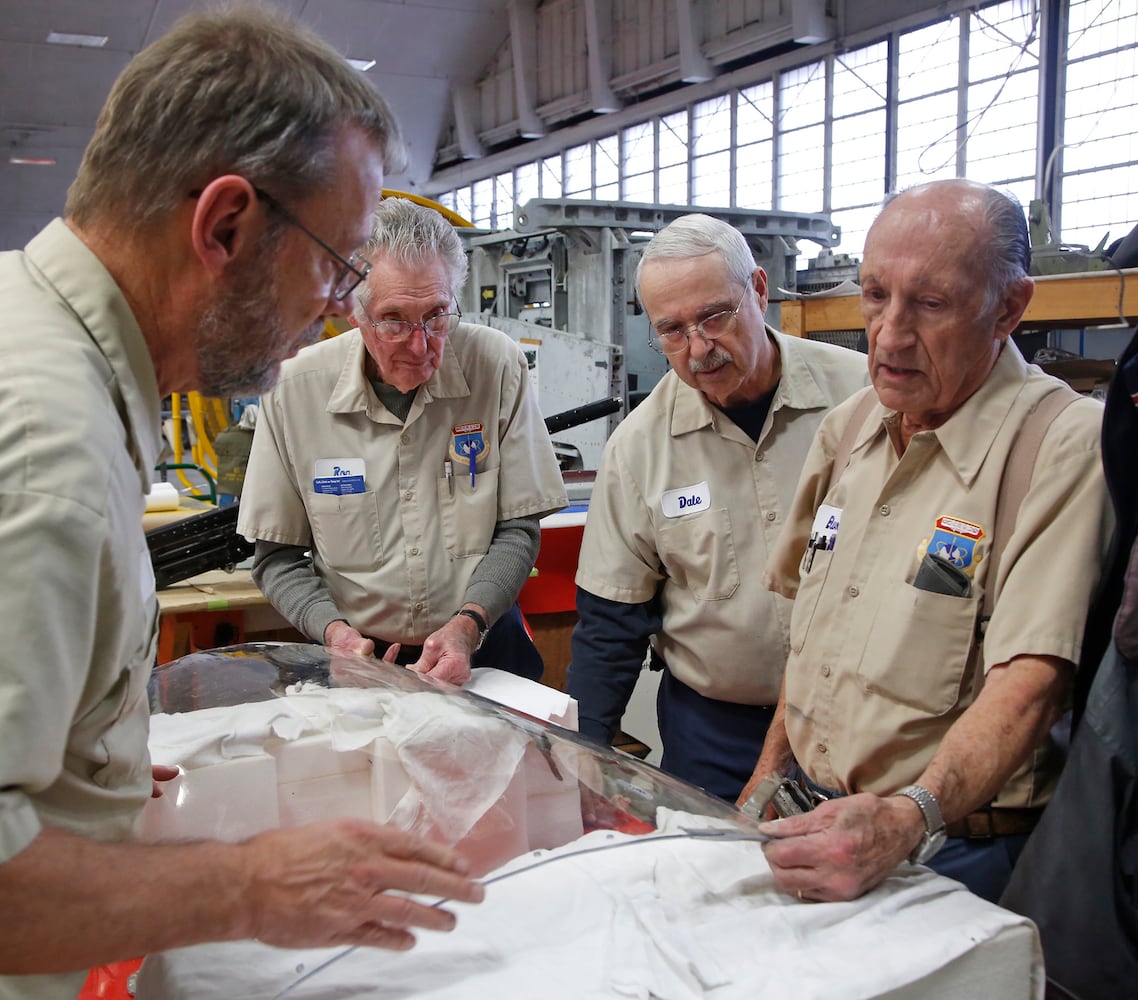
448 471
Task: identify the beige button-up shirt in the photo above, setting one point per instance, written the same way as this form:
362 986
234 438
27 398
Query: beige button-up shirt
879 669
723 634
79 436
397 557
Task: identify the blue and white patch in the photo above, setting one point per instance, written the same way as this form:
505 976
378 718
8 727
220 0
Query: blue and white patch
468 444
686 500
955 541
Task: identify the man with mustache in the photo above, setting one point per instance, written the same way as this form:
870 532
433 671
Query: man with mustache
922 683
692 491
417 547
188 258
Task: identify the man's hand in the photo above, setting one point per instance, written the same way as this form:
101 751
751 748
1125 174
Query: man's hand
844 847
330 884
340 637
447 651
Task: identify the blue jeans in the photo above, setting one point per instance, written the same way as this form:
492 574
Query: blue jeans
712 744
983 865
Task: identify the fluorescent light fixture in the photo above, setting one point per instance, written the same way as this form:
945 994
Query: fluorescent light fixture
87 41
363 65
32 161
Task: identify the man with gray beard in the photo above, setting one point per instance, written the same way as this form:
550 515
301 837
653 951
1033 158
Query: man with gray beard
188 258
690 496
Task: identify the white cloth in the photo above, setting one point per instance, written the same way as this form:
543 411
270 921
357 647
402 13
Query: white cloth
674 920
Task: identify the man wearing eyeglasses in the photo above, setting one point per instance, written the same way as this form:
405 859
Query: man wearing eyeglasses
691 493
186 259
399 471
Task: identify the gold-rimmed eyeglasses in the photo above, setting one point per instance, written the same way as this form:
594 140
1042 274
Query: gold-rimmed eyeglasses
673 338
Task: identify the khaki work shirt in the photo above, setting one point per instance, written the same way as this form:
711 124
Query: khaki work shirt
397 557
723 633
879 669
79 436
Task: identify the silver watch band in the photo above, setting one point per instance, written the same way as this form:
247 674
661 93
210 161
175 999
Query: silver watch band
926 801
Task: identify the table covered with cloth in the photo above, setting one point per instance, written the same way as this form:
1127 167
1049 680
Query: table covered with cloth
668 915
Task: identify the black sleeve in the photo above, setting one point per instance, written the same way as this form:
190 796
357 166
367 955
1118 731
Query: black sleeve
608 649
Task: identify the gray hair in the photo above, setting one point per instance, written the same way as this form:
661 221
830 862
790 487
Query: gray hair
411 234
1007 250
243 91
697 235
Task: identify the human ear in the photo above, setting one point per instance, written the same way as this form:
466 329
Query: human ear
1012 305
227 222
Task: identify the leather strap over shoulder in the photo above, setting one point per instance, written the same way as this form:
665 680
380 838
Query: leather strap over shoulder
1017 479
849 436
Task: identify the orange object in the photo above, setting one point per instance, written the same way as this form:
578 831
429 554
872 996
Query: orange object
110 982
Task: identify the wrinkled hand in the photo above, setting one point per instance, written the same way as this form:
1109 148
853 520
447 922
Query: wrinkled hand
331 884
158 774
447 651
340 637
844 847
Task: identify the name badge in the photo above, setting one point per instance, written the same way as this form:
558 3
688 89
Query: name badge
686 500
825 530
338 476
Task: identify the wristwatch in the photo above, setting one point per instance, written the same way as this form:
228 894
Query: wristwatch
478 620
933 840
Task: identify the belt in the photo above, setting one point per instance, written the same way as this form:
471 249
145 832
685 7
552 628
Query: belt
407 654
989 822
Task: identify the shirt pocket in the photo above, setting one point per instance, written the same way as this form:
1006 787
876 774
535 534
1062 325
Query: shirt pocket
470 513
345 529
810 582
698 553
919 648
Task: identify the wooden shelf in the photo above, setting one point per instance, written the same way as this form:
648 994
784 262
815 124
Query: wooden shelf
1064 300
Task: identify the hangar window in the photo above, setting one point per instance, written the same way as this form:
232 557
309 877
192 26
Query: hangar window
823 137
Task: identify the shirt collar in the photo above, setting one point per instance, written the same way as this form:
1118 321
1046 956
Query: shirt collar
797 389
79 278
968 435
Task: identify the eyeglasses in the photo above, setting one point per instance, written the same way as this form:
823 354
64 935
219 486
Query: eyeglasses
350 272
396 331
676 338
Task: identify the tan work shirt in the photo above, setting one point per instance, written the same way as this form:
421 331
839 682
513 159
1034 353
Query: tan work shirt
879 669
80 419
723 633
397 556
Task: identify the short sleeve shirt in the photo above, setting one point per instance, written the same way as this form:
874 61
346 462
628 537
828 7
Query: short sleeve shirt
79 436
397 554
879 668
687 506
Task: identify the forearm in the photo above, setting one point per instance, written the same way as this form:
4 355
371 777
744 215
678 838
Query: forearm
287 578
608 647
72 903
1019 702
776 754
498 579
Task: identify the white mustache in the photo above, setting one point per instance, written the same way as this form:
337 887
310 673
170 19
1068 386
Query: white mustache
715 359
